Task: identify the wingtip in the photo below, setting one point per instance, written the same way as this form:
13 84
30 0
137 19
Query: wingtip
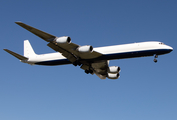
5 49
18 22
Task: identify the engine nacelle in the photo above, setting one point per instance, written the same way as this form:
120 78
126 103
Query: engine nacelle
113 76
85 49
63 40
114 69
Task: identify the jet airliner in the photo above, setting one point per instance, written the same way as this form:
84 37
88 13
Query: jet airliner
91 60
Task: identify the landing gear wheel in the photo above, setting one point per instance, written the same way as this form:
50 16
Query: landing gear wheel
91 71
155 60
88 71
76 63
155 56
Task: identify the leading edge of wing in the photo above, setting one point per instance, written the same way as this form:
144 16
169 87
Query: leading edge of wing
46 36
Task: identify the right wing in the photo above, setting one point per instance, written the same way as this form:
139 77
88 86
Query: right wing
103 71
100 69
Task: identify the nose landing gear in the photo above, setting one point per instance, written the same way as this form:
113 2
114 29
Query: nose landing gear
155 56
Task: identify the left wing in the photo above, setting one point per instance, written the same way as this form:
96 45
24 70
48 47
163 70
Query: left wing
63 45
78 55
46 36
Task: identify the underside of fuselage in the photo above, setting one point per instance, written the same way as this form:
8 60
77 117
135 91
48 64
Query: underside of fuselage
123 55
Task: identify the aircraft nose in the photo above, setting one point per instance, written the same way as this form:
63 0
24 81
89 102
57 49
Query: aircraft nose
170 48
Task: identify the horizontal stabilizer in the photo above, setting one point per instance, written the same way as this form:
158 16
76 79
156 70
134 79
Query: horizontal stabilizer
20 57
46 36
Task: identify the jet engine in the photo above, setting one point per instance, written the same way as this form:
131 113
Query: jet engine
85 49
114 69
113 76
63 40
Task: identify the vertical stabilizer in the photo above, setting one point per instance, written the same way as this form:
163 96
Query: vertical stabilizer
28 50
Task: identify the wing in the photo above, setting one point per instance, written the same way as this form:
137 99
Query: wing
78 55
100 69
69 50
46 36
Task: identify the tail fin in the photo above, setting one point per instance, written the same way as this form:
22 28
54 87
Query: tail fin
28 50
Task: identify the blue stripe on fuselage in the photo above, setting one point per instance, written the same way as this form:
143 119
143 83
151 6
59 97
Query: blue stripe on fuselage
110 56
134 54
54 62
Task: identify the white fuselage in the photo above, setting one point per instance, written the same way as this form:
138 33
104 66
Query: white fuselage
109 52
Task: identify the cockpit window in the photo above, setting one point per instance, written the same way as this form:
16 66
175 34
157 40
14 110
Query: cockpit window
161 43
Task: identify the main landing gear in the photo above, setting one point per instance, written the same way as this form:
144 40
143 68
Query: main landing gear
76 63
155 56
88 71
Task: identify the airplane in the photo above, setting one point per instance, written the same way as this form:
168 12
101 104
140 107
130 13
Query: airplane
92 60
